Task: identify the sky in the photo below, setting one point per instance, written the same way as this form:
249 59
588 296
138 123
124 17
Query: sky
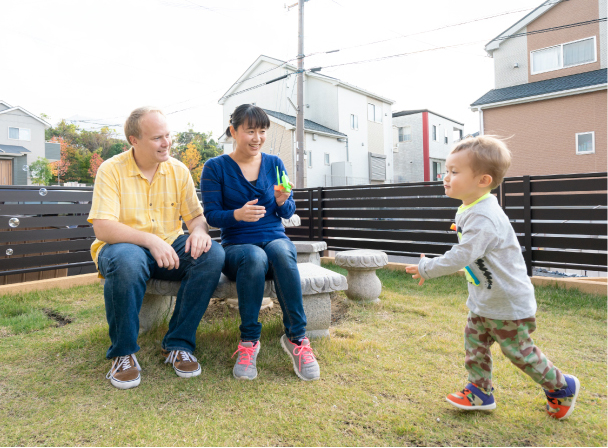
97 61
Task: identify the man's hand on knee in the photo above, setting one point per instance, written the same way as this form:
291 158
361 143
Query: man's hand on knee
198 243
164 254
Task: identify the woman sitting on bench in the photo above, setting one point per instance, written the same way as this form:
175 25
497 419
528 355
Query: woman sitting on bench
239 197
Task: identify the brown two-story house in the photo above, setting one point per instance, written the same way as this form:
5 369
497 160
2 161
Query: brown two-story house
550 95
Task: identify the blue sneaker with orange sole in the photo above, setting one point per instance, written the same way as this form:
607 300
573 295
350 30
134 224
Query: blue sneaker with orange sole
472 398
560 402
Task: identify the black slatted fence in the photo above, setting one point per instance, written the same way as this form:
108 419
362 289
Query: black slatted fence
561 222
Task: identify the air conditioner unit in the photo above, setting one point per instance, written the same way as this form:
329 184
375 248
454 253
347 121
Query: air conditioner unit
342 169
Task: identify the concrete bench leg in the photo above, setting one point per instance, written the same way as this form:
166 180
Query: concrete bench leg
154 309
318 315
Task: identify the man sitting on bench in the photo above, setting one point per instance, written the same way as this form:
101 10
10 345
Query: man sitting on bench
138 199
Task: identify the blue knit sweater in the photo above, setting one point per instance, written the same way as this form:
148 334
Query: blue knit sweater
225 189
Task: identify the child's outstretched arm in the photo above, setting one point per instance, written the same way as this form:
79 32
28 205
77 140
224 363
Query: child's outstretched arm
479 236
414 270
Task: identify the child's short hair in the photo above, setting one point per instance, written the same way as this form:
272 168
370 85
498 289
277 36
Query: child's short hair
489 155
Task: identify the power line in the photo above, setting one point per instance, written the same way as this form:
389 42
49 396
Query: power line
402 36
388 39
555 28
546 30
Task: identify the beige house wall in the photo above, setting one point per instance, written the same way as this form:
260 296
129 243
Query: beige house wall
561 14
543 133
375 137
279 141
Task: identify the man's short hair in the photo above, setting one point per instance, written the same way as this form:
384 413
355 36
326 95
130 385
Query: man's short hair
489 155
132 125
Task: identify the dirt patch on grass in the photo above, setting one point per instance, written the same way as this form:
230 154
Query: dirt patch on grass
54 315
219 309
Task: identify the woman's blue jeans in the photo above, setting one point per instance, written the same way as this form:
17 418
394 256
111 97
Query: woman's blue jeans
127 267
249 265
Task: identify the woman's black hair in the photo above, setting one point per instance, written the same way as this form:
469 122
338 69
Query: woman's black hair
254 116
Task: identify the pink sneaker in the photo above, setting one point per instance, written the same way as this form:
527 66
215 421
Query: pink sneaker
304 362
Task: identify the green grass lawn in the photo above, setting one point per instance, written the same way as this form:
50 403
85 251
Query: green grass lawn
385 373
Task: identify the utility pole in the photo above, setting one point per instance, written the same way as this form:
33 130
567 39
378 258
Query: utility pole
300 111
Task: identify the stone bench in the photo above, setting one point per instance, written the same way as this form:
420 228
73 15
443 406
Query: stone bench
317 284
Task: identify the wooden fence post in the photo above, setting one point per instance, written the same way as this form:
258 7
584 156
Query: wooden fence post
527 225
311 223
320 212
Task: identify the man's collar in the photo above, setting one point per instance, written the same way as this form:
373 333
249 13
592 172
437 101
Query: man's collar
133 169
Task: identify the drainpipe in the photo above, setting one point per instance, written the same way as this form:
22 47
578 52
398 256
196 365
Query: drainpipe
425 146
481 121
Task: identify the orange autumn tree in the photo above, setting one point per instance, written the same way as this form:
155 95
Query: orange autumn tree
96 162
191 158
60 168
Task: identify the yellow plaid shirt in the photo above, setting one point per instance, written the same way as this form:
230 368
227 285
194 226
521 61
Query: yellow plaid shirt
123 194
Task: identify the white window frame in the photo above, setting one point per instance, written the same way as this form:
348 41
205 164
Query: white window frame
445 136
309 159
22 139
354 122
592 143
401 133
562 54
434 132
326 159
377 115
372 108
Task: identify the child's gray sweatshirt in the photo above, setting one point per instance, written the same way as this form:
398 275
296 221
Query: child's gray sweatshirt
489 248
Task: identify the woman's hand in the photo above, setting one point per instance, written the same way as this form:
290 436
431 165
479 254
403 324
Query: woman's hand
250 212
281 196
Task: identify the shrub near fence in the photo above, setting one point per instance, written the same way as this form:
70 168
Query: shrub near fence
560 222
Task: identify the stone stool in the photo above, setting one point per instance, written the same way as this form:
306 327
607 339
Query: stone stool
308 251
363 284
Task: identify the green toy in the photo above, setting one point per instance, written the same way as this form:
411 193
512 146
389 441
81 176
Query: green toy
282 183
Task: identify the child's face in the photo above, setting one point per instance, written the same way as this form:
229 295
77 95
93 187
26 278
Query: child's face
460 182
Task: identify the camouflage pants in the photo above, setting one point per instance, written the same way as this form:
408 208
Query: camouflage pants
513 337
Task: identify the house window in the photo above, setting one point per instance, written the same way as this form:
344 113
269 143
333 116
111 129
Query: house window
326 159
585 143
374 113
19 134
434 133
570 54
405 134
309 159
437 173
354 122
445 136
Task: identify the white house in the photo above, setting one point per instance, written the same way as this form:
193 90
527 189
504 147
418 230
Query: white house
22 141
422 141
348 130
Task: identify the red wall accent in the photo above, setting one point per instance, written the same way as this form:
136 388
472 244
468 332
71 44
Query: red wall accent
425 146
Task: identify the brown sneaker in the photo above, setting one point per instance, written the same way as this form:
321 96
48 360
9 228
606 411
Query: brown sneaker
124 373
184 363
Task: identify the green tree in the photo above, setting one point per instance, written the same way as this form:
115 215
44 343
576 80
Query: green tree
204 144
40 171
115 149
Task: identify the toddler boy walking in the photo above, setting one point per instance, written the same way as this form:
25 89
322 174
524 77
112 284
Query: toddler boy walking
501 297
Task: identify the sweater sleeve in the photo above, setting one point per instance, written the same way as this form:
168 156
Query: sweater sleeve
478 237
286 210
213 202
